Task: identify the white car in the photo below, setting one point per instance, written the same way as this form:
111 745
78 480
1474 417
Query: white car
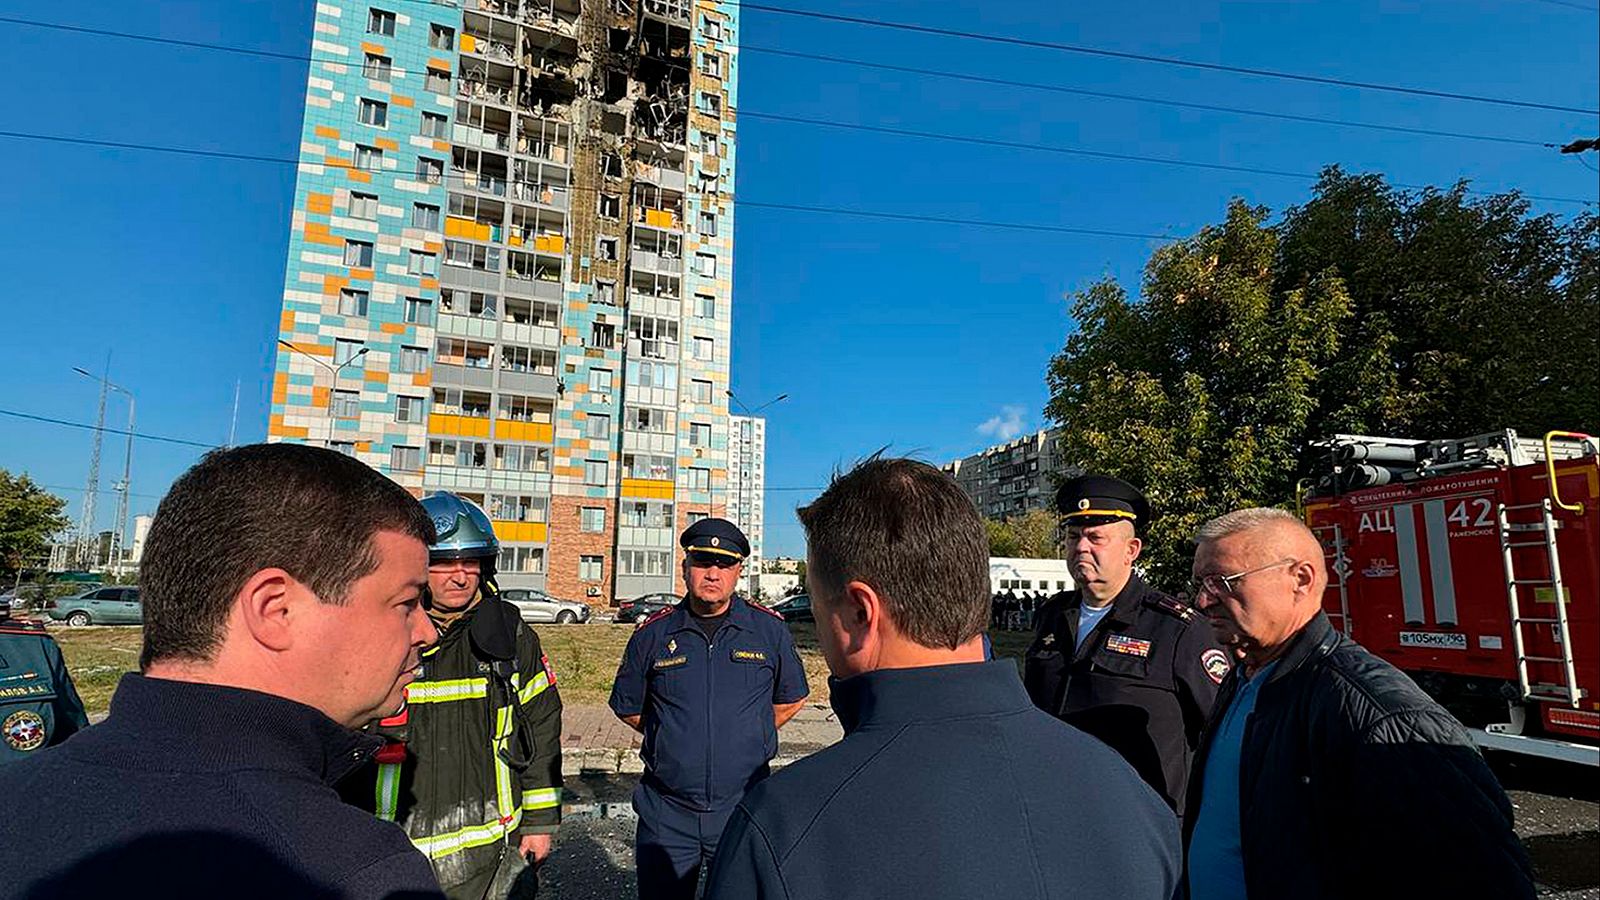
537 606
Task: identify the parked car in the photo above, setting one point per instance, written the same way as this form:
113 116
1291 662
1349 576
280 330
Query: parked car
537 606
795 609
99 606
641 608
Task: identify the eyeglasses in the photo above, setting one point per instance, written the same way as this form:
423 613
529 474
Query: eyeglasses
1228 585
712 561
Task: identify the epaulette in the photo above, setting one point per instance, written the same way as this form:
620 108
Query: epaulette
766 609
17 626
658 614
1165 604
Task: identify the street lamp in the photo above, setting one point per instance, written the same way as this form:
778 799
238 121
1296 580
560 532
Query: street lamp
119 529
335 370
747 437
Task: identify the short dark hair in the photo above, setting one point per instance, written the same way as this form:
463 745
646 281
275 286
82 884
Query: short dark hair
908 530
309 511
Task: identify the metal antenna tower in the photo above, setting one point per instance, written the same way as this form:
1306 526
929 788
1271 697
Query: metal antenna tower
86 522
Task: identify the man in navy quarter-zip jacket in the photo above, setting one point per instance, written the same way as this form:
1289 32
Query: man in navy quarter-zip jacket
949 783
282 590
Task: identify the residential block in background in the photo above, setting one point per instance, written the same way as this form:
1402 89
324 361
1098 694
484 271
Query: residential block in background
510 269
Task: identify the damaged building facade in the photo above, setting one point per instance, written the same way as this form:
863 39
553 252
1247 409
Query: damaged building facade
510 270
1013 478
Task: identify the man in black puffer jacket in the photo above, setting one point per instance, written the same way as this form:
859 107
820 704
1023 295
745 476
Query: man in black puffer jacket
1325 772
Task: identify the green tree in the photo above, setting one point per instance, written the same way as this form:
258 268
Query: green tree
29 517
1199 392
1002 538
1031 535
1369 310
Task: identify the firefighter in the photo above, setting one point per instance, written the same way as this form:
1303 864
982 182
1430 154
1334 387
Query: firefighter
39 706
472 770
1116 657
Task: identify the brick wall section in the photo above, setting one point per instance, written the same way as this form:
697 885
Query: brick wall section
567 543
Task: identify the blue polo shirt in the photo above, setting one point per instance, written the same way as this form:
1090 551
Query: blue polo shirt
706 703
1216 860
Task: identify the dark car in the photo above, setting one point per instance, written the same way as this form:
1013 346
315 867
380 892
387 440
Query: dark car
100 606
642 608
795 609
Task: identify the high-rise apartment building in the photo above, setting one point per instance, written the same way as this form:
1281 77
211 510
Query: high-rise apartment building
747 485
510 269
1012 478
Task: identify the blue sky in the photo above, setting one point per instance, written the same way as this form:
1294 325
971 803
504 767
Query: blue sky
928 338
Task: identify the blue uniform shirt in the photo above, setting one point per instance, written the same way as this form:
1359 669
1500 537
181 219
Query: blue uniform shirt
707 713
39 707
1216 860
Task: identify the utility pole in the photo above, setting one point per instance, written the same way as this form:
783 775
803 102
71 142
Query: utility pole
119 528
86 520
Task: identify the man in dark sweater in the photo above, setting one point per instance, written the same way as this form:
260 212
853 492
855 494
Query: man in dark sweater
282 608
949 783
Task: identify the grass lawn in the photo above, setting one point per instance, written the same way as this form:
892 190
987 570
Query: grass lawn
584 657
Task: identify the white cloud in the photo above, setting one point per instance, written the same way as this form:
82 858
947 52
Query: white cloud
1007 425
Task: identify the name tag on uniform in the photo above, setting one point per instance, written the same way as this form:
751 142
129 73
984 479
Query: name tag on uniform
1132 646
670 661
750 656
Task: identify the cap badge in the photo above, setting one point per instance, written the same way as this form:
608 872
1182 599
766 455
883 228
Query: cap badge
1083 503
716 542
444 524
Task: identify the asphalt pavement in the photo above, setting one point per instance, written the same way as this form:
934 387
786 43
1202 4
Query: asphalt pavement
1557 810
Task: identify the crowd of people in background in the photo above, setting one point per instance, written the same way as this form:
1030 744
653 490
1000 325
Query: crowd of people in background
1015 611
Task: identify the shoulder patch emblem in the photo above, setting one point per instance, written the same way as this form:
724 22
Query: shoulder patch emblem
1215 662
23 730
1132 646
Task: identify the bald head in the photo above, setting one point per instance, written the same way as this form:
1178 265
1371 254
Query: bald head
1274 574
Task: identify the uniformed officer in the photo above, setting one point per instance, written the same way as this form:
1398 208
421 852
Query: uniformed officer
473 768
708 682
1115 657
39 706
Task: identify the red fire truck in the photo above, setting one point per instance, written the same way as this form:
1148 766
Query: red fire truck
1474 566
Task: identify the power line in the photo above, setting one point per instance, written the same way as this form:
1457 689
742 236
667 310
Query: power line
395 72
172 440
1135 98
1160 60
1571 5
1079 151
759 204
463 178
84 425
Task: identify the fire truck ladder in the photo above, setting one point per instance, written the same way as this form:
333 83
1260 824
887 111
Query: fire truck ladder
1339 565
1568 693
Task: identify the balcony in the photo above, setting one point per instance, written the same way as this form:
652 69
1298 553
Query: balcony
553 196
457 325
664 176
458 425
489 46
656 262
656 218
467 136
